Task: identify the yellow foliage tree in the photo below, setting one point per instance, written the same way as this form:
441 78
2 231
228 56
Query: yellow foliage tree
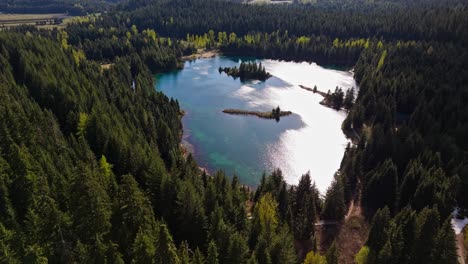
105 166
314 258
380 45
63 39
336 43
78 56
266 215
382 59
361 256
82 123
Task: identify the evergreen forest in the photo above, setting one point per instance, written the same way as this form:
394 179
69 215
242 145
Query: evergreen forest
91 164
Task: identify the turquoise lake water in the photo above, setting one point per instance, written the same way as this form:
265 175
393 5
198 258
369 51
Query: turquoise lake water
309 140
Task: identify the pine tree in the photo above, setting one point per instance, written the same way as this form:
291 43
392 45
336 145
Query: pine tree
262 251
283 203
166 252
385 255
332 254
7 253
379 230
349 99
334 207
133 214
282 250
212 257
427 224
381 187
92 207
143 248
237 250
190 213
184 253
304 210
252 259
445 249
198 257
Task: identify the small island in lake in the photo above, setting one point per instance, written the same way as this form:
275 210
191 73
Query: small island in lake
275 113
247 71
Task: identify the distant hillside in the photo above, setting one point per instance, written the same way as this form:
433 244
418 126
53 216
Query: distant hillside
72 7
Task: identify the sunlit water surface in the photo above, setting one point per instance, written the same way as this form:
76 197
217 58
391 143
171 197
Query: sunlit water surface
310 140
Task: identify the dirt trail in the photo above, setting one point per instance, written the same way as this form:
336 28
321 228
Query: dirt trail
353 232
353 211
352 236
461 249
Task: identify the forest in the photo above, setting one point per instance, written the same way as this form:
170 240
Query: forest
91 168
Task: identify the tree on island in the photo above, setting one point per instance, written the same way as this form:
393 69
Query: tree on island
276 113
335 99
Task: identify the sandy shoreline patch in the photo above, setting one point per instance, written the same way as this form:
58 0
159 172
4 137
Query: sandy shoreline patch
201 54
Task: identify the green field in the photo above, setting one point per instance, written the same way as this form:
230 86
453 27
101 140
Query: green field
40 20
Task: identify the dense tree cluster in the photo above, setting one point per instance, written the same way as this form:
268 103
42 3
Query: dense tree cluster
335 99
91 170
247 71
338 99
419 20
411 155
300 205
411 127
105 44
280 45
410 237
77 142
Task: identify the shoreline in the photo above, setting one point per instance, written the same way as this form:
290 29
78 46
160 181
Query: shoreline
312 90
202 54
324 102
185 150
352 134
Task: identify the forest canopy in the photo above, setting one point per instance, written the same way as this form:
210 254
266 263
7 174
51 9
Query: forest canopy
91 168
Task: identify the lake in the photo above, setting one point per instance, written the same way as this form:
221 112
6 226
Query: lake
309 140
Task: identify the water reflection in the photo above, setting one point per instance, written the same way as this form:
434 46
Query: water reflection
311 140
